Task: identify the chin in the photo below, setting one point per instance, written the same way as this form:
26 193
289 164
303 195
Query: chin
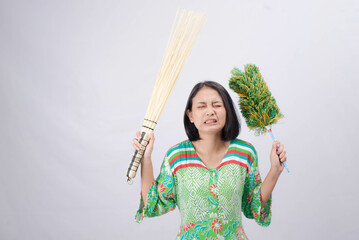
212 130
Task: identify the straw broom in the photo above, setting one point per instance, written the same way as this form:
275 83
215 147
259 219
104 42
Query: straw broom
185 30
256 102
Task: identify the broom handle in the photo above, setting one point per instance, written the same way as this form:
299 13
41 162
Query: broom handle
137 156
285 164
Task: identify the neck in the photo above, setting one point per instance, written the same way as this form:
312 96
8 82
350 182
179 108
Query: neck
209 144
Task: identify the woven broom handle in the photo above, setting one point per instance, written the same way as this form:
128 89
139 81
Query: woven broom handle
137 156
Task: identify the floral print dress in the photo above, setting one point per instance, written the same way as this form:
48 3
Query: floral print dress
210 200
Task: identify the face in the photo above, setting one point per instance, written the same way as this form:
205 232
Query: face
208 112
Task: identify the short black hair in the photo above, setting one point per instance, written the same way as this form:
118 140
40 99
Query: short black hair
232 126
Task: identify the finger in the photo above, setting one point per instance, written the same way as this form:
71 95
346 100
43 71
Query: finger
138 134
280 149
282 155
275 145
135 146
136 142
283 159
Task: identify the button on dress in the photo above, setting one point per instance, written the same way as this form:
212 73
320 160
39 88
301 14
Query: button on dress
210 200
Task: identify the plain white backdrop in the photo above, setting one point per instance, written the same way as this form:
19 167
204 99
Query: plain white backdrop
76 78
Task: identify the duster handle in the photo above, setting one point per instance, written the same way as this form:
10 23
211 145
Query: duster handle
137 156
284 163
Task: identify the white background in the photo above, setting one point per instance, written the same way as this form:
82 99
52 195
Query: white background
76 78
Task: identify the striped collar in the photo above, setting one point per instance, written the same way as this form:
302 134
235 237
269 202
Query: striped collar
184 155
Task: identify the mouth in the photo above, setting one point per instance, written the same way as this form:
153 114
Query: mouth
210 121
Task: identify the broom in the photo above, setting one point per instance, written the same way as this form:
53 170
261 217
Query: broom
185 30
257 105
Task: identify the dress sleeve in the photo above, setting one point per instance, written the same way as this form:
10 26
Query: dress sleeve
251 199
161 197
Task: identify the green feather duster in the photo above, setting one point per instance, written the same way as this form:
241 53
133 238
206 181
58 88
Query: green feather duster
256 102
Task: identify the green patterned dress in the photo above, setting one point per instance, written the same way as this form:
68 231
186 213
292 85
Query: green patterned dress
210 200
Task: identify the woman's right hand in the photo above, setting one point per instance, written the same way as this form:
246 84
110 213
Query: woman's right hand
149 148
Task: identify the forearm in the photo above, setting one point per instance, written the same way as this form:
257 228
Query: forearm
268 186
146 177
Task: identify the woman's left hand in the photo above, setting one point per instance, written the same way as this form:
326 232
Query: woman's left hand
277 157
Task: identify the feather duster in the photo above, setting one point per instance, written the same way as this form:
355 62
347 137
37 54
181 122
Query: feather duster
256 102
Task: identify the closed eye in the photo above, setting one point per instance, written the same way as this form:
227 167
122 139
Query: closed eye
217 104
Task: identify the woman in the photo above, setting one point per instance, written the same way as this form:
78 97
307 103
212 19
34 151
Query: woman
212 177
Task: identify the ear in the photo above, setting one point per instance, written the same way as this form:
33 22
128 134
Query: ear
189 115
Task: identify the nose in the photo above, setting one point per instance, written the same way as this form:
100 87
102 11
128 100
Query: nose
210 111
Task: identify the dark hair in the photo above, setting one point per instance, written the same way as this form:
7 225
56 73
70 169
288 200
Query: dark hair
232 126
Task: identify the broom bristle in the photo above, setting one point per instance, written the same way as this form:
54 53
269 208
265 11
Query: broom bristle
256 102
185 30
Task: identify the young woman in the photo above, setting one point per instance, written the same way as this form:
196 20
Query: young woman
212 177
